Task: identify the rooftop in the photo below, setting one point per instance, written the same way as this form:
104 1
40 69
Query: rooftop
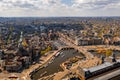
95 68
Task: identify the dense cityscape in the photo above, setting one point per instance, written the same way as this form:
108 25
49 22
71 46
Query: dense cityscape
59 48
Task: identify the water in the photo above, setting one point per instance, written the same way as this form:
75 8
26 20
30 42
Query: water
54 67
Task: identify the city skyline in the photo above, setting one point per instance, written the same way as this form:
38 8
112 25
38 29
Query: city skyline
59 8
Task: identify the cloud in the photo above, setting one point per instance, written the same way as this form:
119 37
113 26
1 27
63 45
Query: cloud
95 4
28 3
58 7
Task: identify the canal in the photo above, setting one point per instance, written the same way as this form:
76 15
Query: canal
54 66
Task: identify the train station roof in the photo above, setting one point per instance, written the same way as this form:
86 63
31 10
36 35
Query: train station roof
96 68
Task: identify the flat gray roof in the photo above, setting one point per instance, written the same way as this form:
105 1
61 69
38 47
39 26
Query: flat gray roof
106 64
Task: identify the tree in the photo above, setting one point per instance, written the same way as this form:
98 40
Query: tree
46 50
24 43
108 53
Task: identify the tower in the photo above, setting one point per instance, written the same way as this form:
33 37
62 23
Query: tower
20 40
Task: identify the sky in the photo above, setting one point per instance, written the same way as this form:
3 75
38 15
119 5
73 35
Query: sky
59 8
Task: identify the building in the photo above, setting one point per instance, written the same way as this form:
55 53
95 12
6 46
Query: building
13 66
84 73
116 40
26 61
1 55
2 63
80 42
88 41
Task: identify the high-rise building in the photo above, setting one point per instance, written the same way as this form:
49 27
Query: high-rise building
20 40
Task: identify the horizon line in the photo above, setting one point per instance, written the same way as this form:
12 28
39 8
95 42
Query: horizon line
51 16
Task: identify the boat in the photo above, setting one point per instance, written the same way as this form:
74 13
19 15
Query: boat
45 65
50 61
43 73
53 58
62 55
57 54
